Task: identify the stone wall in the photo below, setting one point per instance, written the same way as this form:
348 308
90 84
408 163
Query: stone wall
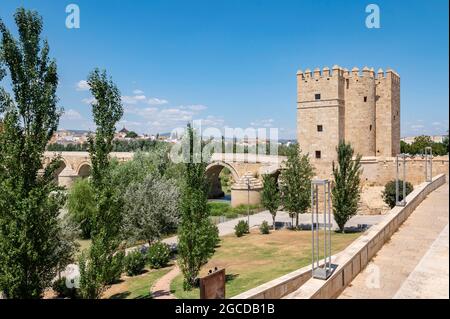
378 171
351 261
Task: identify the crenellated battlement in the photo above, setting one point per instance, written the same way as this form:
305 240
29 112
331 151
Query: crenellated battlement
318 73
355 72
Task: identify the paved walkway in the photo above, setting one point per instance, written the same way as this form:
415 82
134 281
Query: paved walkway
414 263
227 228
161 289
427 280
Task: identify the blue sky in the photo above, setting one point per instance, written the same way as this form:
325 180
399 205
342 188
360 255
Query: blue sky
233 63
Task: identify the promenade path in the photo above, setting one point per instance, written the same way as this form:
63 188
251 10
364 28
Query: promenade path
227 228
414 263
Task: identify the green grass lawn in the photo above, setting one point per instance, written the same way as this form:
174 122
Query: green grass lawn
255 259
137 287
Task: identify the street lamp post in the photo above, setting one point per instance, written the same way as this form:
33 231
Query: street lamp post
318 270
248 202
428 164
397 192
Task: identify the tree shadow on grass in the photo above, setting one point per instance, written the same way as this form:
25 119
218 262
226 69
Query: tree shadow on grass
230 277
120 295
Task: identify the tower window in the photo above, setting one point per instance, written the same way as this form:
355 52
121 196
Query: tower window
318 154
370 127
347 81
317 96
365 99
319 128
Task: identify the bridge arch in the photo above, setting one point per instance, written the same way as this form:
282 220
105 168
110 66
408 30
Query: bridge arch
213 171
84 170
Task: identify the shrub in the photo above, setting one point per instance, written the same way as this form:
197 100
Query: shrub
213 235
242 209
231 215
81 206
59 286
219 209
114 271
389 192
264 228
134 263
158 255
241 228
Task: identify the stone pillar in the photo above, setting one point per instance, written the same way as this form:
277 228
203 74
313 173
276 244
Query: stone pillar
67 177
241 195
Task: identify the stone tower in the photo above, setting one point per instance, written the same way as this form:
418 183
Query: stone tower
362 108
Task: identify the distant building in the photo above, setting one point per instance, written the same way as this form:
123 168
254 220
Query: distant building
66 137
121 134
434 138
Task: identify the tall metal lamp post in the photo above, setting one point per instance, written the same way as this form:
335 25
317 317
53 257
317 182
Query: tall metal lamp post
321 271
248 202
428 164
397 191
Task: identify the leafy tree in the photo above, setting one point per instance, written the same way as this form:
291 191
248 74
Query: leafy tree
346 190
131 134
270 196
197 236
405 148
445 143
296 183
31 234
419 144
81 206
96 263
423 141
389 193
150 209
156 161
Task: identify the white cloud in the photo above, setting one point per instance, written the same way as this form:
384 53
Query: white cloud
156 101
134 99
71 114
212 121
82 85
138 92
263 123
195 107
89 100
436 123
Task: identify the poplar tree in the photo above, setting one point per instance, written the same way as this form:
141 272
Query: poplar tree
197 236
296 183
347 190
31 234
270 196
95 264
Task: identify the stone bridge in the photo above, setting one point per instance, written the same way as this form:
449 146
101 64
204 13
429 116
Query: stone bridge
77 165
244 168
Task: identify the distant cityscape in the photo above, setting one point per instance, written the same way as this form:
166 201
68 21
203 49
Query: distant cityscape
66 137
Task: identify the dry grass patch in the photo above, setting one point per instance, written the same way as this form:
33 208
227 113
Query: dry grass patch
136 287
256 259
